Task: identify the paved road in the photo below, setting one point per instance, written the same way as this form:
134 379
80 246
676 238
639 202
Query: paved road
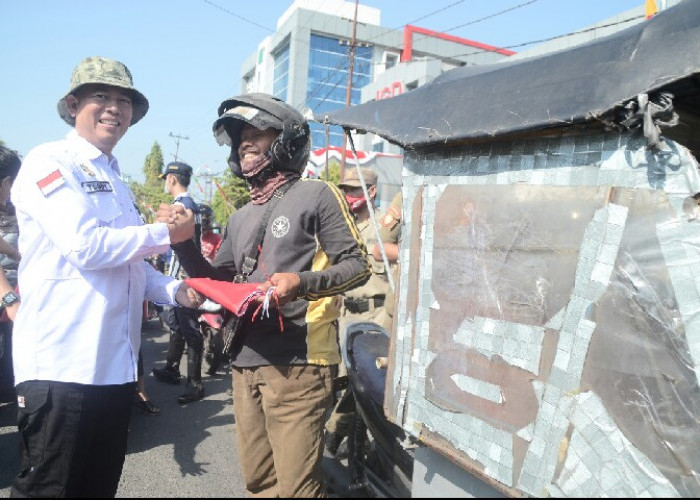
186 451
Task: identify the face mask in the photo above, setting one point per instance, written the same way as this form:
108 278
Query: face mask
356 202
166 190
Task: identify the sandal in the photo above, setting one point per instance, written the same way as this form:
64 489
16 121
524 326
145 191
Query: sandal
146 406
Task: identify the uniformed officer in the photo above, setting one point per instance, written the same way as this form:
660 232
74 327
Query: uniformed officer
364 303
390 234
367 302
182 322
83 280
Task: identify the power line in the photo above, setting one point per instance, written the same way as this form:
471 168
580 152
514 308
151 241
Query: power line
543 40
431 14
239 17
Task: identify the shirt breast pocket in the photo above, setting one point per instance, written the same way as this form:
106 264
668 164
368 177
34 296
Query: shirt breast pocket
107 207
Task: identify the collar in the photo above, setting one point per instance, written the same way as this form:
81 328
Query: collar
86 151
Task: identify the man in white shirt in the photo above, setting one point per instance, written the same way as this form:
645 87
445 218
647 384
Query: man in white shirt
83 280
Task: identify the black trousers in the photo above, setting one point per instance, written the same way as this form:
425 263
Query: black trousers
184 328
73 438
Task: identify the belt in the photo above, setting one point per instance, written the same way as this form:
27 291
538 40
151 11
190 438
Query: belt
357 306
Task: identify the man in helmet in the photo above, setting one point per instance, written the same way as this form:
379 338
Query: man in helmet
83 280
311 251
211 241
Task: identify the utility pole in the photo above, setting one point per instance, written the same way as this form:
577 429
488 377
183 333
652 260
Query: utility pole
348 92
208 187
177 142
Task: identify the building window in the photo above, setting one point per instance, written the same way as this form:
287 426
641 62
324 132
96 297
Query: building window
329 67
378 147
390 60
280 82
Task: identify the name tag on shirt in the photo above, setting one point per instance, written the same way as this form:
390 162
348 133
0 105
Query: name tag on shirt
97 187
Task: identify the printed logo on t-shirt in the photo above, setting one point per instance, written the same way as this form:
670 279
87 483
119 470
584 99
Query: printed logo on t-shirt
280 226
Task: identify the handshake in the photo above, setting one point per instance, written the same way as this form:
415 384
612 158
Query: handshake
180 221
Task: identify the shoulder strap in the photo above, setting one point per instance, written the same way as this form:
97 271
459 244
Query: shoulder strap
252 257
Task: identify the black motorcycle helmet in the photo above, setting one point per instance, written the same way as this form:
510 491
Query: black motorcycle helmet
290 151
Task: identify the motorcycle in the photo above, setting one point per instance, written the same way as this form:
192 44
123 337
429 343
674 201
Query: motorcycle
380 457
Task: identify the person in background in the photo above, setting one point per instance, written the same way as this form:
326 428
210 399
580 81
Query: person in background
364 303
390 234
83 280
10 164
182 322
141 399
211 241
210 310
284 363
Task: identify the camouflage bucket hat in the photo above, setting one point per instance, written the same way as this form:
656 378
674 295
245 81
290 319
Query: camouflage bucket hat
105 71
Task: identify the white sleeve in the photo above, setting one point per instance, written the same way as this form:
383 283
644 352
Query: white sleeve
160 289
76 226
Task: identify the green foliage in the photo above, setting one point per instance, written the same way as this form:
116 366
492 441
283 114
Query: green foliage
150 194
333 171
153 166
230 195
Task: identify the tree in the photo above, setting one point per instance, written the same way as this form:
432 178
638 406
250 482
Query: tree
153 166
231 194
150 195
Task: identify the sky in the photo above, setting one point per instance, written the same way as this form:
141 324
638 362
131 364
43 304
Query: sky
186 57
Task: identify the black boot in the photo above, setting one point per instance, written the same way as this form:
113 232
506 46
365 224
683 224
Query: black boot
194 390
171 372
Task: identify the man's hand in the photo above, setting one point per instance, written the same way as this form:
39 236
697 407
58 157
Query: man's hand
287 287
189 297
180 221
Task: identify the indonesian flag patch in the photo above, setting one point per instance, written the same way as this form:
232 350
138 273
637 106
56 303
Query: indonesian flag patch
51 182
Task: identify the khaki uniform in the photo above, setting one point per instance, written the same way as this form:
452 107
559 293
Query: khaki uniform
359 305
390 232
367 302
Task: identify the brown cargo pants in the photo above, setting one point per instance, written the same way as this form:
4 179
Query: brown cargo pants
279 413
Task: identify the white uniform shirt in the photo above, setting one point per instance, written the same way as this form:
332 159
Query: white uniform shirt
82 276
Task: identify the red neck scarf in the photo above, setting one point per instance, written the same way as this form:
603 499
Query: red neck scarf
262 189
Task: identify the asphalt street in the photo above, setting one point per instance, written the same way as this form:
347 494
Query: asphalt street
186 451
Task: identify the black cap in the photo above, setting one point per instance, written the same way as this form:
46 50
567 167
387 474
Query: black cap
176 167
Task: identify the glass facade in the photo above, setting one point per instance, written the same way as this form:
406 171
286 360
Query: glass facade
326 90
280 83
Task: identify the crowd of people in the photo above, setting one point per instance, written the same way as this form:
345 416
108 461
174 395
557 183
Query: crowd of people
75 309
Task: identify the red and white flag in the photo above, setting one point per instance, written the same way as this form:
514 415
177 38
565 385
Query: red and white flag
51 182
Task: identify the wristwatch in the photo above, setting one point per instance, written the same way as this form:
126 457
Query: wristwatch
8 299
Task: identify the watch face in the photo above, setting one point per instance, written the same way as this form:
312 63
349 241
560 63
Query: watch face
9 298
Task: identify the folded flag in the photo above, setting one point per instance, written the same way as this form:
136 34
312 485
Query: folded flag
236 297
